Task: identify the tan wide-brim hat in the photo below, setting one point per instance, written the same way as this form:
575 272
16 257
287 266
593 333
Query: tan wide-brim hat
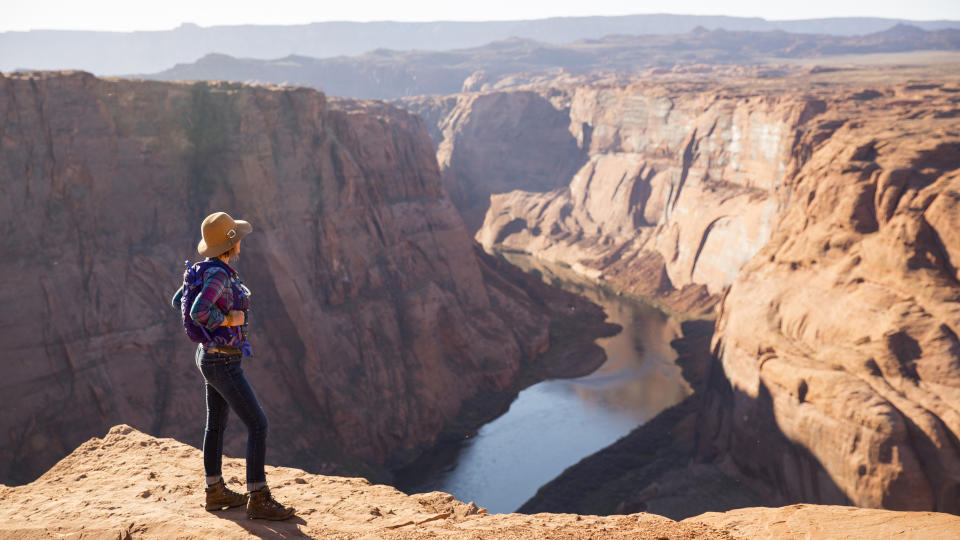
220 233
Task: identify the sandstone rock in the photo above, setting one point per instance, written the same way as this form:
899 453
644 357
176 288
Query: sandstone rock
687 176
841 332
373 320
623 180
499 142
813 521
131 484
824 211
669 466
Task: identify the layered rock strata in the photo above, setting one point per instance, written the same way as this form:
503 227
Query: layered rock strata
373 318
678 190
131 484
663 190
490 143
832 372
841 333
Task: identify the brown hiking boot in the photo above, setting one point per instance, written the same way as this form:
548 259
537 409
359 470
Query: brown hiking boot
220 497
263 506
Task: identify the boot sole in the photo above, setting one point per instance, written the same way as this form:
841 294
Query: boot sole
215 507
279 518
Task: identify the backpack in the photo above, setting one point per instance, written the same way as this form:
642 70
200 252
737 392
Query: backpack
192 285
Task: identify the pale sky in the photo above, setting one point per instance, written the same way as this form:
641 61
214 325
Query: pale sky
127 15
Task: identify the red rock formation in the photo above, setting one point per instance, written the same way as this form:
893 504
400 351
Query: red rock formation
675 189
131 484
372 320
842 332
680 181
824 210
500 142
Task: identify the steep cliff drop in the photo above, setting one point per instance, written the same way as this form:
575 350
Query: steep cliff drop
489 143
374 318
664 190
841 333
822 209
129 484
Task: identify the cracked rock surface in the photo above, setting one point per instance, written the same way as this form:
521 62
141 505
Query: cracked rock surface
131 484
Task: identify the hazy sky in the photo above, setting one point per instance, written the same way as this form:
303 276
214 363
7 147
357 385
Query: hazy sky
125 15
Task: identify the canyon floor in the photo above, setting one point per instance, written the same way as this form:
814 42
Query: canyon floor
129 484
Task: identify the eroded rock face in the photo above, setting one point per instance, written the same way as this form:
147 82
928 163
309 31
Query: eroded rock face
841 333
499 142
690 178
372 320
824 212
129 483
664 191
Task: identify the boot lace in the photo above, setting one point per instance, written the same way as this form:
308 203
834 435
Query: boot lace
273 502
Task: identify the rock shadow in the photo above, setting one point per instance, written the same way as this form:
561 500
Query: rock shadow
693 458
507 141
289 528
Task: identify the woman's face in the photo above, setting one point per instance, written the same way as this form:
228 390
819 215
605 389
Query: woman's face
233 253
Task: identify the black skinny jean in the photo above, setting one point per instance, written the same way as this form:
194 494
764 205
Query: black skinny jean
227 388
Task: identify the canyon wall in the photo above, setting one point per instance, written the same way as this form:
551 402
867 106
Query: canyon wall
373 317
678 185
499 142
664 191
841 333
820 211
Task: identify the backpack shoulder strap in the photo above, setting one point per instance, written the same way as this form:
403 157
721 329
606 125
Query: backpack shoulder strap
200 273
210 271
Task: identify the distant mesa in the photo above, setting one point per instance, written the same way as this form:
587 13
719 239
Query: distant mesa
390 73
118 53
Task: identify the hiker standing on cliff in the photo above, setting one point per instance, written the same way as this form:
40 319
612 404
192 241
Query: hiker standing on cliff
214 304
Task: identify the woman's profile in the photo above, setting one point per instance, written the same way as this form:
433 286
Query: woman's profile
214 304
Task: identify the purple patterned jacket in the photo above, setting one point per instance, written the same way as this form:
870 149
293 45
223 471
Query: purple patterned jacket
215 301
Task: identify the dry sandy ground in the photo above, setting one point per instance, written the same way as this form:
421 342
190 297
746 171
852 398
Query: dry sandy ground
131 485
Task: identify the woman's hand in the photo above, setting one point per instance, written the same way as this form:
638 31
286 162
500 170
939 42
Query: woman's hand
234 318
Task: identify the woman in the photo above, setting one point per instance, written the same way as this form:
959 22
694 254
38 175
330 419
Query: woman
220 311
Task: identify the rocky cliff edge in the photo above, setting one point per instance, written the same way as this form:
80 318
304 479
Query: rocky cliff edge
373 319
129 484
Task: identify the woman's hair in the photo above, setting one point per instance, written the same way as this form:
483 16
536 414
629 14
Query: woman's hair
230 252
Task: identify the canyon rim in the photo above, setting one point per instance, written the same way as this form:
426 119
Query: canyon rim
360 259
790 201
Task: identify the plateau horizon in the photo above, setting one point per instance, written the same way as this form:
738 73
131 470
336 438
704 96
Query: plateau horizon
117 16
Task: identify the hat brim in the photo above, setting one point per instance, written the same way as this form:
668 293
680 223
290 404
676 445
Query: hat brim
243 228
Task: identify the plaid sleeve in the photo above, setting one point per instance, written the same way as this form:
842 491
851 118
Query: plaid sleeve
204 311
